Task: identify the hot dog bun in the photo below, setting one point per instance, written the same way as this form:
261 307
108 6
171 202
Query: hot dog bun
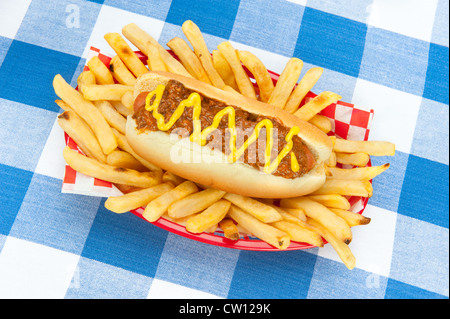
211 168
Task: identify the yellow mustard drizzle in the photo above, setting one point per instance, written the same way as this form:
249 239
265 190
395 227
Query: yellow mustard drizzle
294 163
198 136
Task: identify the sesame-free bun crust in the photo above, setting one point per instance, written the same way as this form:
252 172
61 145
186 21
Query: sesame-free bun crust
211 168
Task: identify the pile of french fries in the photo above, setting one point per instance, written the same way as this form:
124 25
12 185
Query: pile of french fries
95 116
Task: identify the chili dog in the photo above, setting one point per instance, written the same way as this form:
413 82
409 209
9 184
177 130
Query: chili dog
230 142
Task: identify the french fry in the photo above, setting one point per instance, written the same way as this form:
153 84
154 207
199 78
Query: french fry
286 83
123 144
212 229
284 211
88 112
126 54
120 72
111 92
355 159
114 118
369 187
311 236
173 65
125 203
357 173
263 231
213 75
331 161
331 200
101 72
172 178
80 132
154 60
317 104
125 189
296 212
127 99
243 81
260 73
345 187
183 221
94 168
230 89
298 233
179 221
157 207
322 122
375 148
352 218
303 87
194 203
122 109
242 231
195 37
289 217
85 77
230 229
124 159
261 211
342 249
209 217
63 105
188 58
332 139
223 68
143 41
335 224
139 38
267 201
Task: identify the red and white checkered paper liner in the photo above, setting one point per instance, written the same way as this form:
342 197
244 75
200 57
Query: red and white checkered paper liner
348 121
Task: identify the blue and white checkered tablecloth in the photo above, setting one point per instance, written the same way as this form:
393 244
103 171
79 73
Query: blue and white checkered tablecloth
392 56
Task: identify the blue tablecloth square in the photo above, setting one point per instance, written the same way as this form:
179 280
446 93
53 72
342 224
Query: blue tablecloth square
193 264
358 284
2 241
54 219
400 290
440 33
420 256
331 41
425 191
257 273
431 137
388 61
205 13
97 280
354 10
137 245
437 83
21 142
156 9
63 26
27 74
336 82
14 184
4 46
275 26
388 185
